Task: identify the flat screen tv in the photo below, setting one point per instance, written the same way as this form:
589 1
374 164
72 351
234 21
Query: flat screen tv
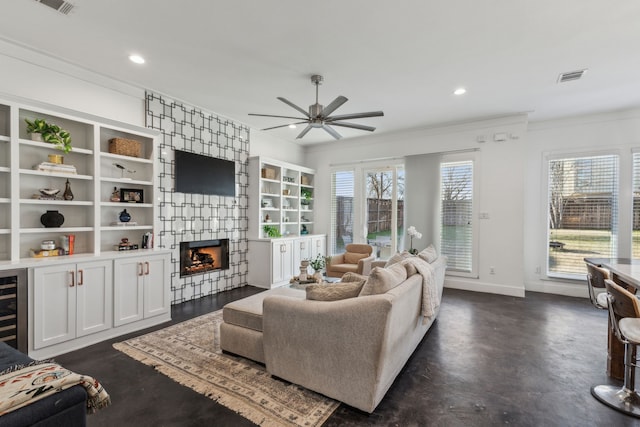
200 174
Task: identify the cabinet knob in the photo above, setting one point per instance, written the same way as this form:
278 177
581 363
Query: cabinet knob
72 274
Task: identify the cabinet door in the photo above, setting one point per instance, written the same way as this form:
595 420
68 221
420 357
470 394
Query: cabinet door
318 246
282 259
94 290
156 285
54 303
128 291
302 250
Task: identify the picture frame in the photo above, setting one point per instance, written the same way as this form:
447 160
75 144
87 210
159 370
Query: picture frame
131 195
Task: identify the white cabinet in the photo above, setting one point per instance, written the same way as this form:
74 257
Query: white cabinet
142 288
274 262
71 301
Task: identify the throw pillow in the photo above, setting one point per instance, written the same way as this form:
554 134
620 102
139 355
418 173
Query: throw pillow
350 276
429 254
382 280
397 257
334 292
409 266
353 257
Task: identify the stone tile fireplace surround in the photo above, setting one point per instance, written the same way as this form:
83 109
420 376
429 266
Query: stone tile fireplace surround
194 217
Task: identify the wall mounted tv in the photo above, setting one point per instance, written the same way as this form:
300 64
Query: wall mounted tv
196 173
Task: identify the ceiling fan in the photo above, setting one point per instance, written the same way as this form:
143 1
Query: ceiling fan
320 116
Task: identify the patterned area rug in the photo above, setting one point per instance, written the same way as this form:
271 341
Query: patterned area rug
189 353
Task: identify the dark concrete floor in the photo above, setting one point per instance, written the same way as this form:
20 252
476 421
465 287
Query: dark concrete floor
488 360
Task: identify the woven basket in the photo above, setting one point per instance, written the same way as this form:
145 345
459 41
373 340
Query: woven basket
268 173
124 147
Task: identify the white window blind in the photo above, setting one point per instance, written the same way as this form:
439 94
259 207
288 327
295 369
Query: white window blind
342 210
582 212
635 233
456 233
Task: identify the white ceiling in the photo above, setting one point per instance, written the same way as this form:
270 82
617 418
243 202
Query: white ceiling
405 57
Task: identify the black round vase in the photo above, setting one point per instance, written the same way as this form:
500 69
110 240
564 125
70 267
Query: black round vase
52 219
125 216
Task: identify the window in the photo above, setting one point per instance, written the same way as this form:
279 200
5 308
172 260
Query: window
457 240
635 234
367 207
342 209
582 212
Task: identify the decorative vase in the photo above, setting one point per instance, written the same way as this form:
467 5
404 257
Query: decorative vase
125 216
67 195
56 158
115 196
317 276
52 219
36 137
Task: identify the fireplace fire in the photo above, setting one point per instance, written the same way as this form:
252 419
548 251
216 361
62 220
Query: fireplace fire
203 255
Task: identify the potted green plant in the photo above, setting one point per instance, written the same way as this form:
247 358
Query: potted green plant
306 194
50 133
271 231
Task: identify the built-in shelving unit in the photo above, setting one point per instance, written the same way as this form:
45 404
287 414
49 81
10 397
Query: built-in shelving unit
281 196
91 215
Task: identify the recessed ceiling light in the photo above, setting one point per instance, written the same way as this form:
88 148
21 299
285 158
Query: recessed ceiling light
460 91
136 58
292 126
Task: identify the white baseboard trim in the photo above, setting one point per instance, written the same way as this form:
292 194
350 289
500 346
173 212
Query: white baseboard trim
558 288
490 288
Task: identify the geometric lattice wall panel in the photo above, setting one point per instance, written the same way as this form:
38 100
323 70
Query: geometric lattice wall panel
189 217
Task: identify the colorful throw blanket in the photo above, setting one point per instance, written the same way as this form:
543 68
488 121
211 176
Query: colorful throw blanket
430 295
28 384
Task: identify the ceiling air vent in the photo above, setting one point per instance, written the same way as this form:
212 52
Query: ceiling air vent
61 6
571 76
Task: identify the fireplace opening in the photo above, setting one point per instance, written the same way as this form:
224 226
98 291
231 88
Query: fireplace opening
203 256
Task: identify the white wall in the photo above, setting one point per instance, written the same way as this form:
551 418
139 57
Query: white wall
501 188
618 131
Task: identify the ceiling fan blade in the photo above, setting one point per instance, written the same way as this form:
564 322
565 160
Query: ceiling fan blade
292 105
355 116
282 126
353 125
332 132
304 132
282 117
335 104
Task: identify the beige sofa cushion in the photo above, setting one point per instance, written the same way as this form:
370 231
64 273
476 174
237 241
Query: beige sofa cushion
397 257
382 280
428 254
247 312
353 257
334 292
353 277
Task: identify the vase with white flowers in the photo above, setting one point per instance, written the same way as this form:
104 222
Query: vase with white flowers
412 232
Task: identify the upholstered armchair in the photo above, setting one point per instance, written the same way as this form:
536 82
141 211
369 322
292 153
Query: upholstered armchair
357 258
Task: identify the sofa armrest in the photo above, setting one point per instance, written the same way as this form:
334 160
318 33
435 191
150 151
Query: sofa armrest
364 265
334 348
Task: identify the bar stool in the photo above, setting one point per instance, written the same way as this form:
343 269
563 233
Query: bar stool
624 312
595 279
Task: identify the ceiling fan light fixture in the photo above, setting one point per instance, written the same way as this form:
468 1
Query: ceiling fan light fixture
320 116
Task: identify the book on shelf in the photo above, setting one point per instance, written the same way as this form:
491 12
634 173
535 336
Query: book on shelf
56 167
147 240
67 243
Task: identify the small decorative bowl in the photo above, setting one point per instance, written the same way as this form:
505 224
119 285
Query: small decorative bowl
49 191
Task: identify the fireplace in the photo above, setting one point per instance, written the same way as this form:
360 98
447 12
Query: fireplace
203 256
